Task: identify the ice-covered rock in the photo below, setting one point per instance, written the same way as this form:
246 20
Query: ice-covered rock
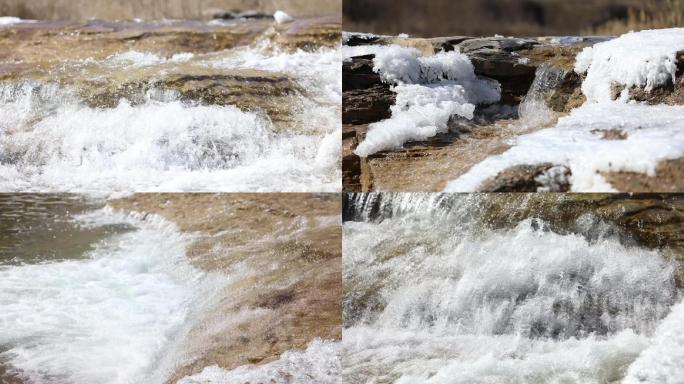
645 59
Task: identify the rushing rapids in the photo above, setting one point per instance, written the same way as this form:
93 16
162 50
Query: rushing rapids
438 289
245 105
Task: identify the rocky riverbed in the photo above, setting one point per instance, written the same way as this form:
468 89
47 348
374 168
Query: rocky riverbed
538 86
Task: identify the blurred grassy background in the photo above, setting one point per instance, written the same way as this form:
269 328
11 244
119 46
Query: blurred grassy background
158 9
509 17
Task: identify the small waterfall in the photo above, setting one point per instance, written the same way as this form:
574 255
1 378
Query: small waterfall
533 111
81 132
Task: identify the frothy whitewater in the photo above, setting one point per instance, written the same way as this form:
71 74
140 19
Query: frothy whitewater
433 295
52 139
116 315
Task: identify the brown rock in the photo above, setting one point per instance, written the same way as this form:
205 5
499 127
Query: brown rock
497 58
669 177
365 98
524 178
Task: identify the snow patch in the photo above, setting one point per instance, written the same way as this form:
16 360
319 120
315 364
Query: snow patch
653 133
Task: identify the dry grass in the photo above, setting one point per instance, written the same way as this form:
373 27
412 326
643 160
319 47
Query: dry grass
668 15
509 17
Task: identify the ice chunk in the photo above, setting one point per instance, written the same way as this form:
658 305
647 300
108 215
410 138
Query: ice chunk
643 59
282 17
429 91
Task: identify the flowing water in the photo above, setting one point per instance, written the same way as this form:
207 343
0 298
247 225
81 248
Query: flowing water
92 295
168 115
436 293
92 292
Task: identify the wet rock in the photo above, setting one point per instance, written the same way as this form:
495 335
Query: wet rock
358 73
290 305
365 98
496 58
507 44
368 105
52 43
447 44
309 34
567 95
356 173
530 178
269 92
355 40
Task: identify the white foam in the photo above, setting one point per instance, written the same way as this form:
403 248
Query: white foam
391 356
430 301
111 317
663 361
318 364
644 59
52 142
430 90
143 59
654 133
